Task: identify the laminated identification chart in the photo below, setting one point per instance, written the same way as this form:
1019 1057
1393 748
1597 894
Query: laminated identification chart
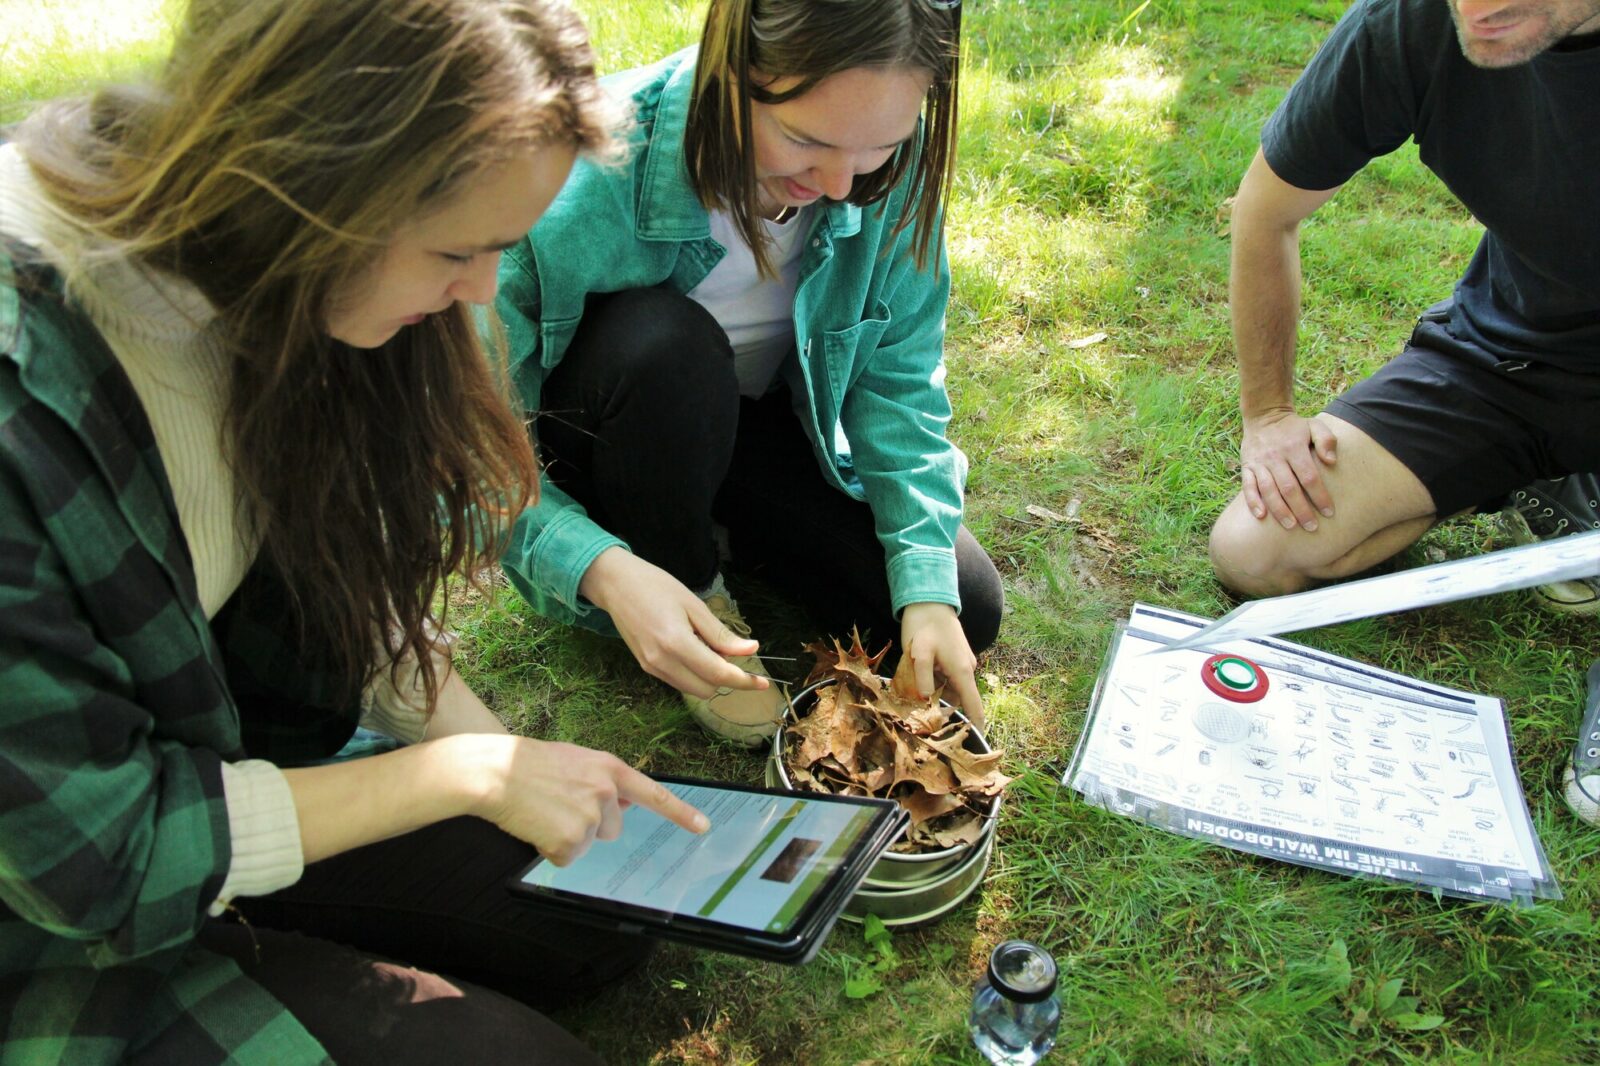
1290 753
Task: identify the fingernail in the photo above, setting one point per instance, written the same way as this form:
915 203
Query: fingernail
701 823
1327 512
1311 525
1288 523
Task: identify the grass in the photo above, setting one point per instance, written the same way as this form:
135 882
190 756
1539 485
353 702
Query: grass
1100 139
53 47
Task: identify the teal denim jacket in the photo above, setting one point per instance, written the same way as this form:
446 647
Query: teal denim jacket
868 380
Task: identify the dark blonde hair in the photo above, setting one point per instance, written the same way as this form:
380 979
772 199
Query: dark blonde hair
810 40
283 144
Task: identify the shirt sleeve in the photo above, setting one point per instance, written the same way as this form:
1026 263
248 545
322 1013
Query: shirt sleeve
112 832
264 829
553 542
1354 102
895 415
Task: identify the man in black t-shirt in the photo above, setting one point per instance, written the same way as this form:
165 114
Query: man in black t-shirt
1496 398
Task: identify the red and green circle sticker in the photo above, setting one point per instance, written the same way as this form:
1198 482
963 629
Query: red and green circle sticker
1235 678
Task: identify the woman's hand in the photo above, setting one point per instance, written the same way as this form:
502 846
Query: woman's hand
932 638
558 797
561 798
669 629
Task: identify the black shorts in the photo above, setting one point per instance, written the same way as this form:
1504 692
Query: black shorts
1471 426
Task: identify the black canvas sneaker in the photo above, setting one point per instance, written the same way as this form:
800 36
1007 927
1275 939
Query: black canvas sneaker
1549 509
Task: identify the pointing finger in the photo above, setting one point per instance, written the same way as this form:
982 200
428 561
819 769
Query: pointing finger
646 792
971 700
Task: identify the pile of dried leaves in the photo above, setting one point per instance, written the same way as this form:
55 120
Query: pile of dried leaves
866 736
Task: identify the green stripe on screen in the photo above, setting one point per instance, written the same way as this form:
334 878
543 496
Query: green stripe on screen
820 871
750 860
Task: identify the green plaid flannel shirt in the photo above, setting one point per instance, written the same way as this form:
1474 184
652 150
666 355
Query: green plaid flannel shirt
116 713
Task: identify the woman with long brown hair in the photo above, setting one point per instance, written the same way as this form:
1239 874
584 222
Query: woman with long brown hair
248 432
744 327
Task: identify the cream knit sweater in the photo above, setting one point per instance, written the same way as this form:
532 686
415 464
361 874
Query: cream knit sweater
160 330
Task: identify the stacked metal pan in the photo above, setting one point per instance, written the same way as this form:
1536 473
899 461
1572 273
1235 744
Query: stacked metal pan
905 889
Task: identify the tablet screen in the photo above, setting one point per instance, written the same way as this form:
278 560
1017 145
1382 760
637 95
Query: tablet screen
764 859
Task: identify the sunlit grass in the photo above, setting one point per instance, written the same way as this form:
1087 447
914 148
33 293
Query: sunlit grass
52 47
1100 140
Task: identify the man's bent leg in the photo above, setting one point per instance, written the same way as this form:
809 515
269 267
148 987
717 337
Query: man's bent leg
1380 508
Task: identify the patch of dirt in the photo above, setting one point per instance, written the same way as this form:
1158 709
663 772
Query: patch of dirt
484 584
1014 665
698 1047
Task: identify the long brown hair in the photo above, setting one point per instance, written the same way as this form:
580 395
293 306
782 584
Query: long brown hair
283 143
811 40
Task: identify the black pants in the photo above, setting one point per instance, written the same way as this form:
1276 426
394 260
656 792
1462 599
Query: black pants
412 951
643 424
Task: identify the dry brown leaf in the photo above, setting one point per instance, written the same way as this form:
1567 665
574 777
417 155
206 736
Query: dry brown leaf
965 830
878 780
849 726
973 770
931 774
867 737
904 682
919 717
1225 217
872 755
925 805
854 664
814 731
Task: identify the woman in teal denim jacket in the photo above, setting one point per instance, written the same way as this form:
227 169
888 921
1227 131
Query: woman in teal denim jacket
851 109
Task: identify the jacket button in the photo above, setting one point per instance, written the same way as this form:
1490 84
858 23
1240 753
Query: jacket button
816 242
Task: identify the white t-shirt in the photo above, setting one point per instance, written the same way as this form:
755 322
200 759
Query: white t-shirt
757 314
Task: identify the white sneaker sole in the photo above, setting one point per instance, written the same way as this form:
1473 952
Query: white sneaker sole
1581 797
1562 597
1568 597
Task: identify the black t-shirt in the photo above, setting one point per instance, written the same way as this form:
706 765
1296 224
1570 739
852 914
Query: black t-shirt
1519 146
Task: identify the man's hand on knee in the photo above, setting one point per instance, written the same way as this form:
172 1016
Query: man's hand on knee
1281 461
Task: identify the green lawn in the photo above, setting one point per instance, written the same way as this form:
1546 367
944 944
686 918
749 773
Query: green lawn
1100 140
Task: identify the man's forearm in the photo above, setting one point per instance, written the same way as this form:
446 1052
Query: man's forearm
1264 300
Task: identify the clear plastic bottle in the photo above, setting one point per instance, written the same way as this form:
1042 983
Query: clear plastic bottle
1014 1010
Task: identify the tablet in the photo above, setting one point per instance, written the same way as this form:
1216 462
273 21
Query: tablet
768 879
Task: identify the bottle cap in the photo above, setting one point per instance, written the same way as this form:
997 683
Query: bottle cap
1235 678
1022 971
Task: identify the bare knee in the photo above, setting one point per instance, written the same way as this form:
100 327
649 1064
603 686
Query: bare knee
1254 557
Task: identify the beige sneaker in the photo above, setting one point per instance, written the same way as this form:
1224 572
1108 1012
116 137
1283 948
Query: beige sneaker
745 716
